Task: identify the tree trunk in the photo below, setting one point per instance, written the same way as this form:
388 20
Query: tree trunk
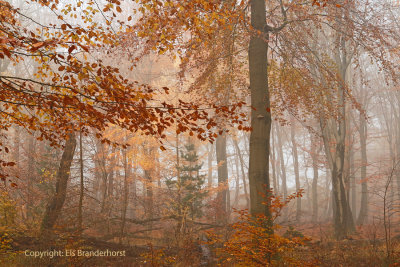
239 153
17 143
127 172
82 187
149 187
31 174
222 195
210 160
397 143
314 156
364 186
104 174
56 203
296 170
260 113
111 173
334 136
133 187
237 182
282 162
97 171
273 165
353 187
343 218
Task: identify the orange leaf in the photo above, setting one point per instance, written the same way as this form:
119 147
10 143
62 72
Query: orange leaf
38 45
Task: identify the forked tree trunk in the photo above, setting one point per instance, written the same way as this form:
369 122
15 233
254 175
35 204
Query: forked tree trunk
242 166
57 201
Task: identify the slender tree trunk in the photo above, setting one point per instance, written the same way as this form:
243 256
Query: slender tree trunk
353 187
104 174
31 174
273 165
237 181
111 174
97 172
397 142
127 172
242 166
314 157
56 203
282 162
17 143
149 188
210 160
222 195
296 170
133 187
363 179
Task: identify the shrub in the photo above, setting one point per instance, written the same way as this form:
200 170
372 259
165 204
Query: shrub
255 241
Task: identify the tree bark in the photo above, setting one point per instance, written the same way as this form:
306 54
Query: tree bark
260 113
56 203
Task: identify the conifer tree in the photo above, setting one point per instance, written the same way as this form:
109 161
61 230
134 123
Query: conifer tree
187 189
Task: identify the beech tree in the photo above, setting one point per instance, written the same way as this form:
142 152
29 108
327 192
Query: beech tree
69 92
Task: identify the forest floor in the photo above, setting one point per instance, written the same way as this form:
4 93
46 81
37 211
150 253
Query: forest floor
20 252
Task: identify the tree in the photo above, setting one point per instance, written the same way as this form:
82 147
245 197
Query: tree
56 203
69 92
326 48
187 192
